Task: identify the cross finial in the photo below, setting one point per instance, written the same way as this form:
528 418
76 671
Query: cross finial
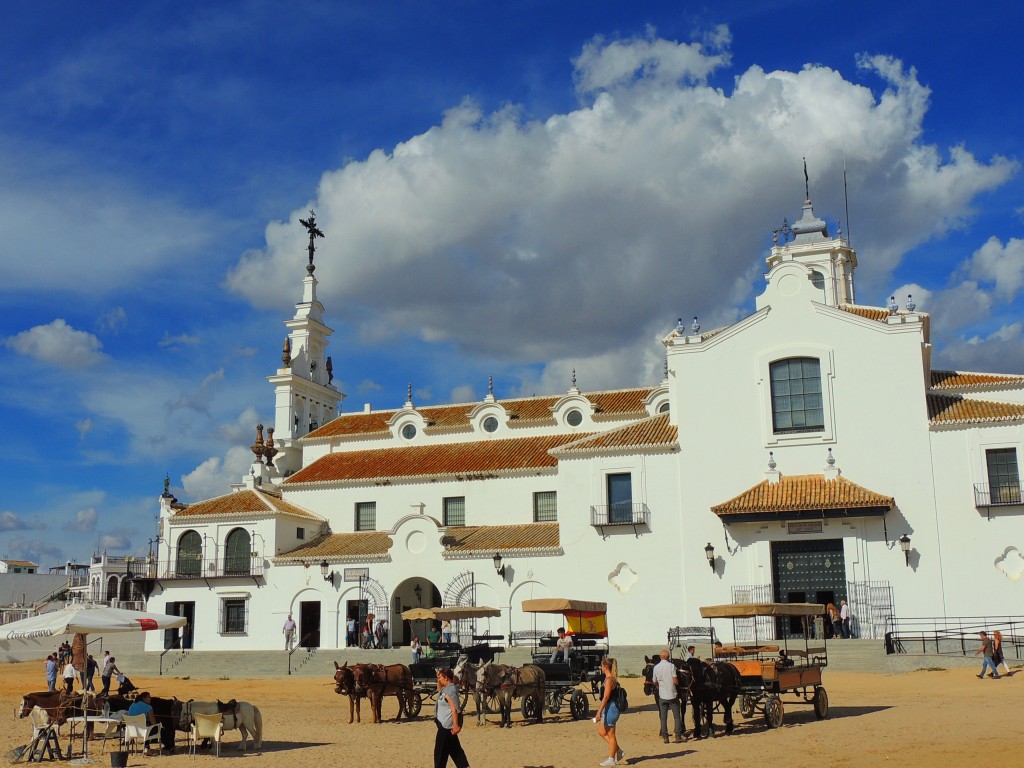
574 377
310 225
807 182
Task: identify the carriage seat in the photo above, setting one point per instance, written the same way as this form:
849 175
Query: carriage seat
478 654
743 650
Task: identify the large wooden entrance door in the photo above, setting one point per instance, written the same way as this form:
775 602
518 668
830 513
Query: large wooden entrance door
309 623
807 572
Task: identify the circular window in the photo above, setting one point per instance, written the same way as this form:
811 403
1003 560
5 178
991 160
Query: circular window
574 418
663 408
490 424
409 431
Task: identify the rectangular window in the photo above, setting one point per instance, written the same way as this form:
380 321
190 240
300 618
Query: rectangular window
796 395
234 616
366 516
620 498
300 533
1003 475
455 510
545 507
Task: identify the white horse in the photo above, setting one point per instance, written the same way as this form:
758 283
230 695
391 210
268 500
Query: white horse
236 714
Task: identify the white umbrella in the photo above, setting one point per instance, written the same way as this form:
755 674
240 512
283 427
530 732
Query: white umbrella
81 619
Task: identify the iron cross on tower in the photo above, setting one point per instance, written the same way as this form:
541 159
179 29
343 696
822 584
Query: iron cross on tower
314 233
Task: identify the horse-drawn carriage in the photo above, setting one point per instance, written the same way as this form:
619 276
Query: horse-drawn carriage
439 656
577 679
767 672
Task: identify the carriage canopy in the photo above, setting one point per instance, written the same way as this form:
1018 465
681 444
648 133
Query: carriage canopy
747 610
452 613
581 616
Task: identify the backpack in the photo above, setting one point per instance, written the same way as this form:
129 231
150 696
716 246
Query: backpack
621 700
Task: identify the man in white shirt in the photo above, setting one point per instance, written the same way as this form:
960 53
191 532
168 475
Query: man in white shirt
289 632
664 677
844 616
562 645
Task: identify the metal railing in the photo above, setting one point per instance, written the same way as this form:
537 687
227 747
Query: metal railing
953 636
623 513
998 496
192 565
302 645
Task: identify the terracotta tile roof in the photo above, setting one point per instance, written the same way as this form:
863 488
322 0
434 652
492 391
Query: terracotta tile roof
500 538
477 457
654 432
967 380
524 410
245 503
20 563
338 547
803 492
871 313
952 409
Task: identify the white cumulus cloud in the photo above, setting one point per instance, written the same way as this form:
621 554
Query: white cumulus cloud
212 477
59 344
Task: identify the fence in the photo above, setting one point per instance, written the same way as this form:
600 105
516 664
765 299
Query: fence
953 636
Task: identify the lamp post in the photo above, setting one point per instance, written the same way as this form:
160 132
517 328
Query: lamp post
418 591
709 553
905 546
326 572
498 567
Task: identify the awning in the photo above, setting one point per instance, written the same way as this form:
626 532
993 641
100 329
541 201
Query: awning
451 613
746 610
803 497
563 605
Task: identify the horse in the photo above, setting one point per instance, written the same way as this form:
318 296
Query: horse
242 715
59 706
714 682
684 684
500 684
345 684
168 714
467 679
375 681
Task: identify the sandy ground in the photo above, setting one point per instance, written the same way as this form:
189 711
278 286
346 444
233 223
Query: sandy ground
928 718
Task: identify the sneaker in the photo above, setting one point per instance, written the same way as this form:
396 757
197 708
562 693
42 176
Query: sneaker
609 761
619 754
995 677
981 677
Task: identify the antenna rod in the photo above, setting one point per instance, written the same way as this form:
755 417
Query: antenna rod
846 199
807 182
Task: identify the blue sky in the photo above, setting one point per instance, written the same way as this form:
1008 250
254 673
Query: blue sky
514 189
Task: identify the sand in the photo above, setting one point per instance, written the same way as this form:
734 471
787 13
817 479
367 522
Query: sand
927 719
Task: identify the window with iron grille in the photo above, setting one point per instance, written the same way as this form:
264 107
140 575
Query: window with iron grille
796 395
545 507
620 498
1003 475
237 553
190 549
234 616
366 516
455 510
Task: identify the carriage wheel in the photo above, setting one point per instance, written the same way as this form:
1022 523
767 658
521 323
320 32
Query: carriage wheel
491 703
554 697
465 699
774 712
579 705
820 703
413 704
748 704
532 707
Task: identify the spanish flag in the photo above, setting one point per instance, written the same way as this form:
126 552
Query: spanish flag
587 622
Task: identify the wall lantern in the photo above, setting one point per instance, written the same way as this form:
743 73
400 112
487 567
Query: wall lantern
326 572
905 546
709 553
419 594
497 564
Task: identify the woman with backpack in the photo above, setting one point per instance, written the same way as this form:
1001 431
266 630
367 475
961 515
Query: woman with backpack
609 710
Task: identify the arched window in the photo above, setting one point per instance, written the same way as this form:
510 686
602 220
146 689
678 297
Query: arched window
237 553
111 588
796 395
190 554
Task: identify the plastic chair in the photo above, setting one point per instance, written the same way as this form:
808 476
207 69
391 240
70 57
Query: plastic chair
136 730
113 728
40 720
206 727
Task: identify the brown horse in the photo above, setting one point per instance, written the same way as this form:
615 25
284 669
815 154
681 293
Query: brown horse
345 684
60 706
375 681
499 684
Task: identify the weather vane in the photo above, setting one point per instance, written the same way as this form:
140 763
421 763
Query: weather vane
310 225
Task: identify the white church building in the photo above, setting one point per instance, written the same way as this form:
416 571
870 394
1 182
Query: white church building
807 452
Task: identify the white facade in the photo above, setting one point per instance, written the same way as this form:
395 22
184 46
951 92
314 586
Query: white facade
802 496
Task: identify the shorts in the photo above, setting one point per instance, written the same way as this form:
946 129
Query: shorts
610 716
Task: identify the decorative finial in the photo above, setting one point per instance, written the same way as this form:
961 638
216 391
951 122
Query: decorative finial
408 395
330 370
680 328
310 225
807 183
893 306
270 451
167 485
830 459
771 461
695 327
911 306
574 378
286 352
258 448
665 368
490 385
785 230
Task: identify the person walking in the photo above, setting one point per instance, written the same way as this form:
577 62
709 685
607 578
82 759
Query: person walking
350 632
608 711
90 672
108 671
997 652
70 673
664 677
289 632
448 719
834 620
986 659
51 672
844 617
414 646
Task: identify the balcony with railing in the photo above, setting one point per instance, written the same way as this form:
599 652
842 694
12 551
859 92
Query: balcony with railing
196 565
1003 495
634 514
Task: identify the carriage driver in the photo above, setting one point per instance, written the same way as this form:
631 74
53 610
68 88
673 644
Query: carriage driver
563 645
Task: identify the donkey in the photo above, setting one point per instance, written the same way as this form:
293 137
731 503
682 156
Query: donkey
242 715
375 681
345 684
502 683
467 679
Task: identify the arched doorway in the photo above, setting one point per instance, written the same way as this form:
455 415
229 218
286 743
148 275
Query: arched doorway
415 592
237 553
